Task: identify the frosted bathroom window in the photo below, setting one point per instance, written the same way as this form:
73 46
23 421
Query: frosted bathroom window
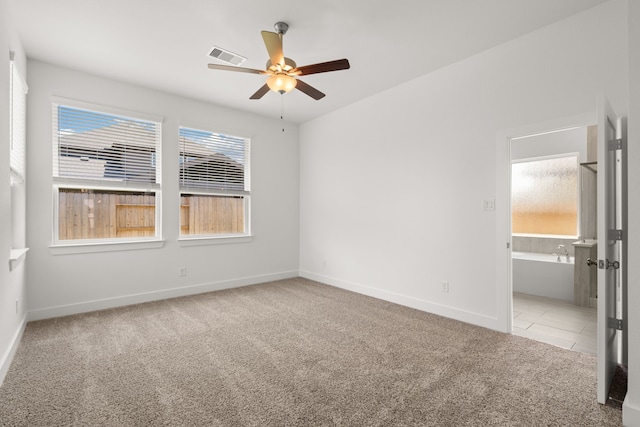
545 196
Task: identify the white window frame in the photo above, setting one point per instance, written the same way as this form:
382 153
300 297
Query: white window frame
17 123
212 239
72 246
18 90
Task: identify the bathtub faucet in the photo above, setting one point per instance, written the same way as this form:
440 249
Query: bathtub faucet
566 253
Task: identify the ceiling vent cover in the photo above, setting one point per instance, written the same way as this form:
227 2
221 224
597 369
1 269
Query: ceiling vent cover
227 56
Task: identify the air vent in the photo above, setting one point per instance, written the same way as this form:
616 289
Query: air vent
226 56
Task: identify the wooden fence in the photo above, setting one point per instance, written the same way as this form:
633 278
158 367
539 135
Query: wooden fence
96 215
211 215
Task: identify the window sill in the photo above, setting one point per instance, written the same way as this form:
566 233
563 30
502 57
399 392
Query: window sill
546 236
213 240
16 257
93 247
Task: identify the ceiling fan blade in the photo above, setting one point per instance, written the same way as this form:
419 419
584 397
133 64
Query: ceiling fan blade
309 90
238 69
273 42
323 67
260 92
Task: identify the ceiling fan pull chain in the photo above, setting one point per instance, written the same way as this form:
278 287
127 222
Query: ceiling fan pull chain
282 108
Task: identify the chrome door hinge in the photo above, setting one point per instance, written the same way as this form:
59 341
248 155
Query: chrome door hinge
617 324
615 144
615 235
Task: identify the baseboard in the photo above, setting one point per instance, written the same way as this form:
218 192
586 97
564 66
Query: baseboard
7 357
84 307
418 304
630 414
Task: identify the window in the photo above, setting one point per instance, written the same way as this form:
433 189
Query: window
17 123
214 184
17 163
545 196
106 175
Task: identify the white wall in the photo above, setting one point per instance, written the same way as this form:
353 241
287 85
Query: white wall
392 187
12 227
62 284
631 408
551 144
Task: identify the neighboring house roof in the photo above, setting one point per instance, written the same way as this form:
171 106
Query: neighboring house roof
109 152
101 138
203 167
212 171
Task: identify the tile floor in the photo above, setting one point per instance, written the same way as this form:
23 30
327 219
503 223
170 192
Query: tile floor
555 322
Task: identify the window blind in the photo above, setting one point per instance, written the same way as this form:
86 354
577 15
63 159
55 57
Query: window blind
17 123
92 145
213 161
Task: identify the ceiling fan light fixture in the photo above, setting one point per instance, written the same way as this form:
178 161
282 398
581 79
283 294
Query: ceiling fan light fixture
281 83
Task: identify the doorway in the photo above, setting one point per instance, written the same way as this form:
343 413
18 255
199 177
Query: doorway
504 242
553 207
611 222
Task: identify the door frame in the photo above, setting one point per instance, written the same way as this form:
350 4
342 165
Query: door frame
612 284
504 288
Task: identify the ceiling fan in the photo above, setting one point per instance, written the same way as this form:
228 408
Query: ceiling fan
283 71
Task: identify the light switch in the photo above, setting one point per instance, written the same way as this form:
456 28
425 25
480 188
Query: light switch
489 205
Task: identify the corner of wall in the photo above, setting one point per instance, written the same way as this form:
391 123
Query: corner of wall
12 282
7 357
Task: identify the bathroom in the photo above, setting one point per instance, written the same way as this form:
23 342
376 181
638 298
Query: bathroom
553 201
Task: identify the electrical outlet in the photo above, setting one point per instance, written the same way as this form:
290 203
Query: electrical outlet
445 286
183 272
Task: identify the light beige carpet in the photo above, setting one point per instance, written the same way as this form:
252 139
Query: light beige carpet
291 352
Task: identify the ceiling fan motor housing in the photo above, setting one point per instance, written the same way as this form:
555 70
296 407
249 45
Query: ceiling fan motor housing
289 64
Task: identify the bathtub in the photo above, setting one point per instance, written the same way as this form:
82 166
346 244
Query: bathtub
542 275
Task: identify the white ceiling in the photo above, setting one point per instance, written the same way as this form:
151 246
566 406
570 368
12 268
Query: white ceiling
164 44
